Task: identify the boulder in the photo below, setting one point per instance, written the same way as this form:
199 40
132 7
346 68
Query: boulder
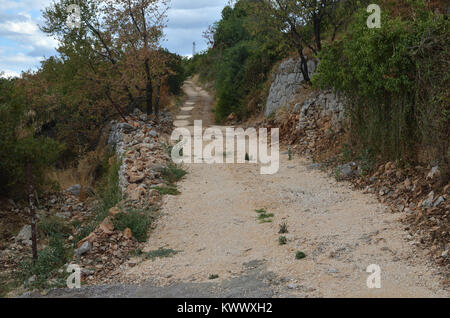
74 190
136 178
428 202
434 173
90 238
107 226
126 127
127 233
83 249
24 235
114 211
346 170
438 201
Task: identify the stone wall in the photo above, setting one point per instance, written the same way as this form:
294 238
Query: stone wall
324 104
284 91
286 84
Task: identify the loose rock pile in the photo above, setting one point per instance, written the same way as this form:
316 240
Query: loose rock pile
286 83
104 250
322 104
141 149
140 144
316 129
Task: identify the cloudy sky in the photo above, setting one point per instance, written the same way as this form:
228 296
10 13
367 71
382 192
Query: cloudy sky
22 45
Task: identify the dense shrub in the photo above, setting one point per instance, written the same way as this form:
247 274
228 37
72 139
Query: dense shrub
50 260
137 221
396 81
18 144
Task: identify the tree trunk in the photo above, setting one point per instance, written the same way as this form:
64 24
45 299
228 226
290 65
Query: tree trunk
158 91
32 212
149 97
316 23
304 65
148 89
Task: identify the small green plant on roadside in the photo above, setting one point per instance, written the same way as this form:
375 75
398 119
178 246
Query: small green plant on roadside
290 153
38 274
300 255
283 229
337 174
137 221
109 195
170 190
282 240
172 173
213 276
366 161
76 224
160 253
53 226
136 252
247 157
346 153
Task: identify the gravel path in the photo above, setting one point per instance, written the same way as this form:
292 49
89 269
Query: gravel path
214 226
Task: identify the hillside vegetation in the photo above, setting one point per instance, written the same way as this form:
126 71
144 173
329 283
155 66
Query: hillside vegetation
395 78
104 69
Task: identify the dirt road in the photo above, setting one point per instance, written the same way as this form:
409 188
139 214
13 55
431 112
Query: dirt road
214 226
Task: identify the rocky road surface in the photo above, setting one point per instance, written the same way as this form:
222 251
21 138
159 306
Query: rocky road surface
215 229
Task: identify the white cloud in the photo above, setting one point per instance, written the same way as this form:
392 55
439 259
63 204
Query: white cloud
187 22
24 4
9 74
23 45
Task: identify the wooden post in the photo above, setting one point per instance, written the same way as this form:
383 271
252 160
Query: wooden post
32 211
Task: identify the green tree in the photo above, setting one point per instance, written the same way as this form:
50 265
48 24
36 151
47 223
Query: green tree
20 144
303 22
395 80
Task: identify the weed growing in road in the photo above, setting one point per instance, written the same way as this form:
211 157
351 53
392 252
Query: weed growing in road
213 276
263 216
283 229
136 252
290 153
170 190
282 240
300 255
161 252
